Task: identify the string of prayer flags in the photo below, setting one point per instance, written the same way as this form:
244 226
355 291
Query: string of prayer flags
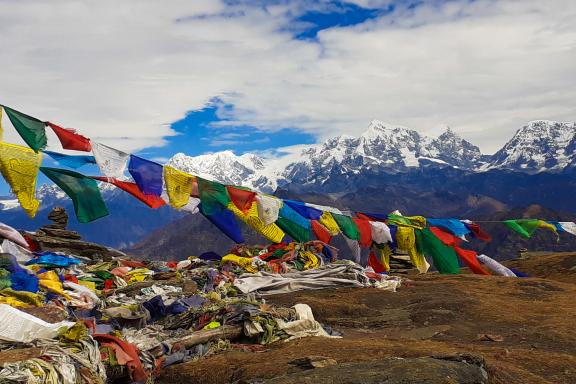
527 227
147 175
19 166
112 162
347 226
70 139
213 195
84 192
272 232
268 208
226 222
468 257
71 161
243 198
178 186
152 201
32 130
444 257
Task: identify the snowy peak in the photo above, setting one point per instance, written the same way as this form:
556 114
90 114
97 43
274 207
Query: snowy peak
541 145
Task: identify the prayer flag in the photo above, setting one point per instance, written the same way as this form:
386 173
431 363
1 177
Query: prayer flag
268 208
365 232
32 130
226 222
152 201
84 192
147 175
321 232
213 195
527 227
178 186
272 232
347 226
71 161
241 197
304 210
406 240
468 257
444 257
287 213
70 139
456 227
19 166
112 162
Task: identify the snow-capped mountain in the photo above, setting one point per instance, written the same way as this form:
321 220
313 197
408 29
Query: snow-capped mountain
539 146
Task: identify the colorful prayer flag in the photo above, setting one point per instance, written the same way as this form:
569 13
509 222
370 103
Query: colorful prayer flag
32 130
272 232
226 222
152 201
147 175
112 162
70 139
71 161
268 208
19 165
444 257
527 227
241 197
213 195
347 226
468 257
304 210
178 186
84 192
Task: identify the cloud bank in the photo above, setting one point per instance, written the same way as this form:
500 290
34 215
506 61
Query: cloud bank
123 71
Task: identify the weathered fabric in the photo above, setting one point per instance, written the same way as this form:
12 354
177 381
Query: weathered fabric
354 249
70 139
304 326
444 257
380 232
495 266
469 257
178 186
147 175
347 226
29 327
568 226
19 166
71 161
112 162
406 240
9 233
268 208
88 202
272 232
327 276
242 198
32 130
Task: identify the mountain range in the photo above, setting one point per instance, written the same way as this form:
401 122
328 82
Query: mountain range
388 167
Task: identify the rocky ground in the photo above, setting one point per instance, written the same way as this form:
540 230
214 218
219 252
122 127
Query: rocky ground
435 329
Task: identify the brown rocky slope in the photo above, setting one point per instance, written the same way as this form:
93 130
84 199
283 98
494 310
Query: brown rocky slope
435 329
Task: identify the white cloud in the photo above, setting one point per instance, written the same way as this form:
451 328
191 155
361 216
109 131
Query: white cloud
123 71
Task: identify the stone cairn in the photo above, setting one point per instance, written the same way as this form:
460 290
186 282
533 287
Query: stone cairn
56 237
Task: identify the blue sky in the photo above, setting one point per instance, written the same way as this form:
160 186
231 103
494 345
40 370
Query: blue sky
253 75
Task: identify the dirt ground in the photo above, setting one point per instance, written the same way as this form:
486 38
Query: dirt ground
529 325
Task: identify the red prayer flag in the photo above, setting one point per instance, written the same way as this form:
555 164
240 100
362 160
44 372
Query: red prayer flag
321 232
376 264
469 257
478 232
241 198
70 139
365 232
153 201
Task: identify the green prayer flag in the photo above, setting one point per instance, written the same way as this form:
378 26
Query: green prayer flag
347 226
83 191
295 231
527 227
213 195
444 257
32 130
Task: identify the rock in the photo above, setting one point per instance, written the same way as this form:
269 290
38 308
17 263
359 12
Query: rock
457 369
310 362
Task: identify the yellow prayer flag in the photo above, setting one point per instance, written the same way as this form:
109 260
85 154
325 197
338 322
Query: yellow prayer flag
178 186
327 220
406 240
19 165
272 232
